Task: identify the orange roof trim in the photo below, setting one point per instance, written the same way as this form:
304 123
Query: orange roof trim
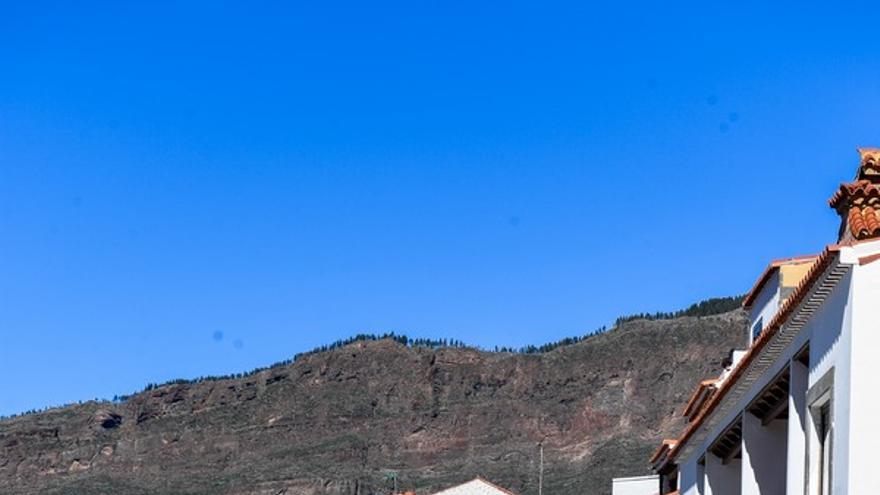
698 393
667 444
864 260
768 272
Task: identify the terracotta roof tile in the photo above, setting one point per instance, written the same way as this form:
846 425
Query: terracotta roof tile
698 397
858 202
863 222
772 267
861 189
667 444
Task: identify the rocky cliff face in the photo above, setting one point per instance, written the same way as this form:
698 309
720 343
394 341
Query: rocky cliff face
337 422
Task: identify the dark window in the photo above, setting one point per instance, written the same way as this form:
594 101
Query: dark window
757 328
669 482
824 468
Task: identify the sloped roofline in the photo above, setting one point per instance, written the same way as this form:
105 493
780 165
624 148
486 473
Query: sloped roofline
700 390
667 444
822 262
493 485
768 272
480 479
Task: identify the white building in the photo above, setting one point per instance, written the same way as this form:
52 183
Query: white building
477 486
797 412
636 485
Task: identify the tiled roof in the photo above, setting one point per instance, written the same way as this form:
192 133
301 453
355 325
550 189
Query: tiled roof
864 223
781 317
860 189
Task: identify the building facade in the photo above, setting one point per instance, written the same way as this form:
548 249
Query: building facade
636 485
796 413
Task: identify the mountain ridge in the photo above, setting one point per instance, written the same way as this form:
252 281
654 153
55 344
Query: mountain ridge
337 422
707 307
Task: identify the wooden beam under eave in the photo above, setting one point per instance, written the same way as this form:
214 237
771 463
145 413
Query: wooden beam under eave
732 454
775 412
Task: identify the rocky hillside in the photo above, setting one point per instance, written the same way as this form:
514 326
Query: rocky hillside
338 422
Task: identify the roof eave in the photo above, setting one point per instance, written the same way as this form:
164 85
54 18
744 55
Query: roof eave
768 272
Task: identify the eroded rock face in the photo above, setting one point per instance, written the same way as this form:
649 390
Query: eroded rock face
335 423
106 420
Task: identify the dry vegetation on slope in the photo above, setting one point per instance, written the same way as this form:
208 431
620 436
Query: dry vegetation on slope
336 422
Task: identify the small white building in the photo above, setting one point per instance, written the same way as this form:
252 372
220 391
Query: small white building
477 486
798 412
636 485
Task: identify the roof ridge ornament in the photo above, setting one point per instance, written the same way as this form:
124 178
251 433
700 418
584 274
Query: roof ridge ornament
869 165
858 202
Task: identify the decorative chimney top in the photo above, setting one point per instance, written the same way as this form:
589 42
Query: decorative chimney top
858 202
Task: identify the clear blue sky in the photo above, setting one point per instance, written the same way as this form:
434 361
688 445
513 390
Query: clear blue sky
206 189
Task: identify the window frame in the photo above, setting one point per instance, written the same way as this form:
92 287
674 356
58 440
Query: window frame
820 438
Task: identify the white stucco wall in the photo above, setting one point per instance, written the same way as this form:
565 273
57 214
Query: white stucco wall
763 456
722 479
796 442
829 332
639 485
857 421
765 304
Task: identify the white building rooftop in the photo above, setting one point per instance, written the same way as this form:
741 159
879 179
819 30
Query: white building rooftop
477 486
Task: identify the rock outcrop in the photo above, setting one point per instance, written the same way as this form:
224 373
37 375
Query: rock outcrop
339 422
